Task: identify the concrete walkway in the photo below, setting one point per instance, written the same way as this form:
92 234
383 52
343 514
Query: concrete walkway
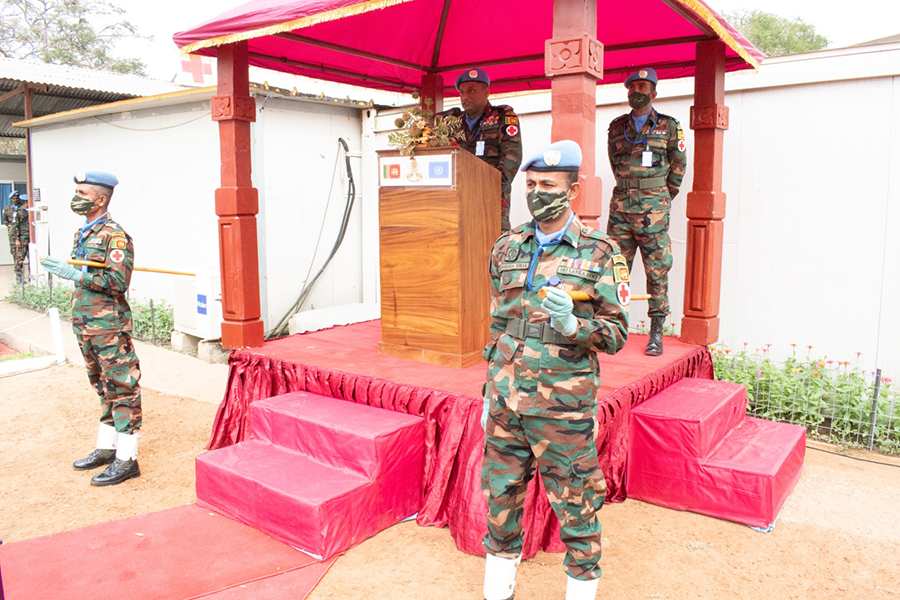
161 370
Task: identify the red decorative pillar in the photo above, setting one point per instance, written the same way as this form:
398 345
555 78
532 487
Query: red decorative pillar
433 89
573 60
237 201
706 201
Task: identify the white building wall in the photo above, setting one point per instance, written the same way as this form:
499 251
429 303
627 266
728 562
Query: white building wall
168 163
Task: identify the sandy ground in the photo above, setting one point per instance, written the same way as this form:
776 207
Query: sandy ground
838 536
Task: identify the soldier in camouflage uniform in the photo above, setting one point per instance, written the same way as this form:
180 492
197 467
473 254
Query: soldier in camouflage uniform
15 217
492 132
543 372
646 153
101 319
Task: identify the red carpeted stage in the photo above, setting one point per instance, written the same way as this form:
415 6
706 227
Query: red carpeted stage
343 362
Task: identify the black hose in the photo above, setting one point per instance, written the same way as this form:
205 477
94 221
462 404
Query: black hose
278 330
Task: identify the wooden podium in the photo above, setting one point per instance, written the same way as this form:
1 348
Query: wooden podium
439 215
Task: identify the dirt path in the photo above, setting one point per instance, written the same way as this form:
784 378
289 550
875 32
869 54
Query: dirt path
838 536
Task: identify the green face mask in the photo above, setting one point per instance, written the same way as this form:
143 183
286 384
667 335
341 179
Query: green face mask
81 206
638 101
545 205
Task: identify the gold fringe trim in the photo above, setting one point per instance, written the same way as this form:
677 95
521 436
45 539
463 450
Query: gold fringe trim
332 15
703 12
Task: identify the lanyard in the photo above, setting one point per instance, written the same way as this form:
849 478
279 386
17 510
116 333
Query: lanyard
477 131
87 226
529 280
643 140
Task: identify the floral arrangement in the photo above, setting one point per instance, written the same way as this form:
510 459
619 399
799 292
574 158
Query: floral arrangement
421 128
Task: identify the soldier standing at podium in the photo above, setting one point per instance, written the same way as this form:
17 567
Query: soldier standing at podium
646 153
492 132
540 398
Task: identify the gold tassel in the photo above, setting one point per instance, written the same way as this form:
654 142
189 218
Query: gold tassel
332 15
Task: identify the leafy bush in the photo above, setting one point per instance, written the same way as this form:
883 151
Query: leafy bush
832 400
37 297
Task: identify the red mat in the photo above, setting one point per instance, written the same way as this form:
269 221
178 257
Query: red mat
177 554
343 362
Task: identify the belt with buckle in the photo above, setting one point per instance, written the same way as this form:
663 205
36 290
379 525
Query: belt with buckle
640 183
522 329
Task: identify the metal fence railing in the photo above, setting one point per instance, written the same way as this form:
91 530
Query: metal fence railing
834 400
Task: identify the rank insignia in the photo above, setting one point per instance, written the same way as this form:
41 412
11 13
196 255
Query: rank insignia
512 130
512 120
620 274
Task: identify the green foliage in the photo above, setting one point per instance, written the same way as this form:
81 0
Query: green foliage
19 356
832 400
142 319
37 297
775 35
82 33
421 127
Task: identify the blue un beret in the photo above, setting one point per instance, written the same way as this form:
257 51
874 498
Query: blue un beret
646 74
564 155
473 75
23 197
97 178
13 194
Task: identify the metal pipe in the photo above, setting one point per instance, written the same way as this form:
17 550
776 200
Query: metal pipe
874 409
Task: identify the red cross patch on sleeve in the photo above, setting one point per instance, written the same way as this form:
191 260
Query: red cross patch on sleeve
623 293
511 130
117 256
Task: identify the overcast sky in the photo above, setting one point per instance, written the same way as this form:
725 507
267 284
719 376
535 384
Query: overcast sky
843 24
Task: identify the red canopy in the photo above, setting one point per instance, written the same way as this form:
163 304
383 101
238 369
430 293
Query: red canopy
391 44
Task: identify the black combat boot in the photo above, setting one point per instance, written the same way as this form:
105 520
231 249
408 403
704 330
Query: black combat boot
95 459
117 472
654 344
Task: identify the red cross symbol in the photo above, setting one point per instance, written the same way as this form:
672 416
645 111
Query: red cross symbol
117 256
623 293
196 67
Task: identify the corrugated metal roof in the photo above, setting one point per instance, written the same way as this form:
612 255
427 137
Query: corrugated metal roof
68 88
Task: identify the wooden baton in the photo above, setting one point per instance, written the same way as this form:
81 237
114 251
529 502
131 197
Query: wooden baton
89 263
575 295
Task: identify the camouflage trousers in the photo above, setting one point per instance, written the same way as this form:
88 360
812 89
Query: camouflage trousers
650 232
114 371
565 453
19 254
504 210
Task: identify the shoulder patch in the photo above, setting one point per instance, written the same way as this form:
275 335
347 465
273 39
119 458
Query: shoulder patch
618 259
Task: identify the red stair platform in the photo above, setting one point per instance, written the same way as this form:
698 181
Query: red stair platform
318 473
693 448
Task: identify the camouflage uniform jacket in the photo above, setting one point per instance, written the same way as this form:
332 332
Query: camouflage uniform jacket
16 220
663 136
99 304
550 380
499 130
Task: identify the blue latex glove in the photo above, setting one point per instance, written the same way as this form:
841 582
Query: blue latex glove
559 306
61 268
484 413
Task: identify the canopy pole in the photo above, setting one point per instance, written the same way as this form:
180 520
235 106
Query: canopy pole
237 201
706 201
432 88
573 60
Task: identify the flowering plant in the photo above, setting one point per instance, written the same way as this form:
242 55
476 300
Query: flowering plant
420 127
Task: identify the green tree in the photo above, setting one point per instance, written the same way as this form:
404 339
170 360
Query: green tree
775 35
81 33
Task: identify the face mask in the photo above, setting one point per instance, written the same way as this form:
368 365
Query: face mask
545 205
637 100
81 206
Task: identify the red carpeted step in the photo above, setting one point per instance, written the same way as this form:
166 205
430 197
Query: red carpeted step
345 472
338 432
756 466
690 417
692 448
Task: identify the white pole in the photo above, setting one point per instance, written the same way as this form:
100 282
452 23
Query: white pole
57 336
